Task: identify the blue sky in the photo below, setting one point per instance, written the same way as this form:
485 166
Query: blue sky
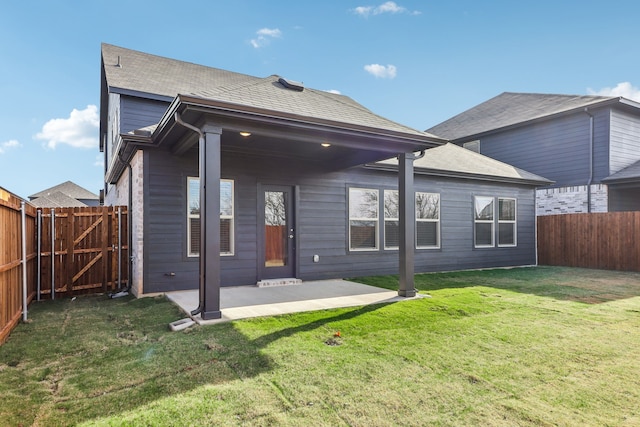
415 62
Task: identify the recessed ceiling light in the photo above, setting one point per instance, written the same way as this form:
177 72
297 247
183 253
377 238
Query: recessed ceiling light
245 134
326 144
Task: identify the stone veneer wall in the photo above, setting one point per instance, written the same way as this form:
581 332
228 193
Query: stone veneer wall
563 200
119 195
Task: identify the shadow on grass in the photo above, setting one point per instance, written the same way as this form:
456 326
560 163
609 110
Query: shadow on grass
92 357
563 283
330 317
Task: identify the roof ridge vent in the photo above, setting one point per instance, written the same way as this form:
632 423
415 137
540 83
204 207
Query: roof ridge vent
291 84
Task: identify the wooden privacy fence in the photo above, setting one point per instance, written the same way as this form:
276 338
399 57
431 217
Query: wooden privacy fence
17 261
67 251
82 250
609 241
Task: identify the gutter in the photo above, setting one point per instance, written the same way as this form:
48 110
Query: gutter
181 122
586 110
264 116
127 290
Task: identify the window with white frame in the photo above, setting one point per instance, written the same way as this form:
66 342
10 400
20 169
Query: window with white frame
391 220
472 146
226 216
427 220
507 229
363 219
484 222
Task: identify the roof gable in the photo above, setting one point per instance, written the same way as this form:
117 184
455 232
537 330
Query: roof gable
68 188
139 73
508 109
57 199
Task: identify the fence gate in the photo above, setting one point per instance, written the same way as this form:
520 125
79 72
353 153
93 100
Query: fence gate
82 250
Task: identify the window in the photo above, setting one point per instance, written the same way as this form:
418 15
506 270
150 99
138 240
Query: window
363 219
391 221
483 222
506 222
193 216
472 145
427 220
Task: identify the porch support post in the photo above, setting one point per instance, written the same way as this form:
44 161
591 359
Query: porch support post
210 222
407 216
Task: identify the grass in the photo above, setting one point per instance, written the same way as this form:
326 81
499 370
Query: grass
531 346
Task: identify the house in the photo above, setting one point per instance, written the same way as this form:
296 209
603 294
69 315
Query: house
67 195
588 145
232 179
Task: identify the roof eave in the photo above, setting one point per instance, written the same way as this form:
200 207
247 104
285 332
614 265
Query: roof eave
597 104
465 175
248 112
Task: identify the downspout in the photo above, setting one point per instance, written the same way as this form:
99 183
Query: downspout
586 110
181 122
127 290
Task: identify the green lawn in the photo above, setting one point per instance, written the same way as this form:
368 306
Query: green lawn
530 346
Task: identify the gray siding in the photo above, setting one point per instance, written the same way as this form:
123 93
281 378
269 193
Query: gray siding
322 222
625 140
139 112
556 149
624 199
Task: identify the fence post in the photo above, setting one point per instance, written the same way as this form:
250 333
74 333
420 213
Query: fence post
39 252
119 247
24 260
53 254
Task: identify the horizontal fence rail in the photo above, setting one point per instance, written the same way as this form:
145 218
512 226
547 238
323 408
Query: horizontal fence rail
67 251
83 250
13 262
608 241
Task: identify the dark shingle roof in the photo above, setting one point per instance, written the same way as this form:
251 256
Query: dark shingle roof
68 188
629 174
450 159
508 109
57 200
152 74
145 73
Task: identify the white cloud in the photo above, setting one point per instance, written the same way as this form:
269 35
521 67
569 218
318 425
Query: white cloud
80 130
12 143
363 10
99 161
265 35
380 71
337 92
624 89
387 7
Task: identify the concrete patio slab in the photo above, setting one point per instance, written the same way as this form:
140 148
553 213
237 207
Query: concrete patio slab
241 302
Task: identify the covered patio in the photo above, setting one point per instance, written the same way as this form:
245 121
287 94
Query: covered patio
241 302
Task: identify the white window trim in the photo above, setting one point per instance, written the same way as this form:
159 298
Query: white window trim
376 220
472 146
484 221
437 246
514 222
231 217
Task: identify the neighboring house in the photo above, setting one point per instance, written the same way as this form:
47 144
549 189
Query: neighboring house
588 145
65 195
232 179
